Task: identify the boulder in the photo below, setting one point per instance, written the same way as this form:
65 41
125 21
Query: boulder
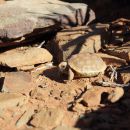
22 18
24 57
93 97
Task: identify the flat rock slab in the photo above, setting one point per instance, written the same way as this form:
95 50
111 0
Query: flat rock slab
121 52
19 82
112 60
78 40
48 118
19 18
11 100
24 57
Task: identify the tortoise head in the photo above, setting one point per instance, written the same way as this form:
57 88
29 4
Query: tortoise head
63 67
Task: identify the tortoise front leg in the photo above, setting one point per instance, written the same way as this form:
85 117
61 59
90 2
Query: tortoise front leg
70 74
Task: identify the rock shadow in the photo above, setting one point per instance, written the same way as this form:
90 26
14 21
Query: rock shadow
54 74
114 116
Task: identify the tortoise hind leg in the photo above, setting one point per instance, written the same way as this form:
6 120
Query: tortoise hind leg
70 74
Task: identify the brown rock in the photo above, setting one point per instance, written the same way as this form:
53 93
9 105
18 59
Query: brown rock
25 68
24 57
20 82
92 44
121 52
78 39
93 96
79 108
48 118
11 100
115 94
124 76
44 15
112 60
118 29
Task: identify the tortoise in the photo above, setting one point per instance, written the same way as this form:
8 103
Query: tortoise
82 65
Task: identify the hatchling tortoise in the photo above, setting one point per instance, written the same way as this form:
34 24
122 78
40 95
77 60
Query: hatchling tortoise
82 65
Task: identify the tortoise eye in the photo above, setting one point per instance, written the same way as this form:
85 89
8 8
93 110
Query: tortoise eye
63 66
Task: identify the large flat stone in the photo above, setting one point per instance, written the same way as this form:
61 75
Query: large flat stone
112 60
11 100
19 18
121 52
19 82
24 57
48 118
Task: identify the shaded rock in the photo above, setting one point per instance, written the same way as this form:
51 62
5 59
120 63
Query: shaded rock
112 60
77 40
93 97
48 118
11 100
20 82
66 128
115 94
43 67
121 52
25 68
38 15
124 76
120 30
79 108
24 57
